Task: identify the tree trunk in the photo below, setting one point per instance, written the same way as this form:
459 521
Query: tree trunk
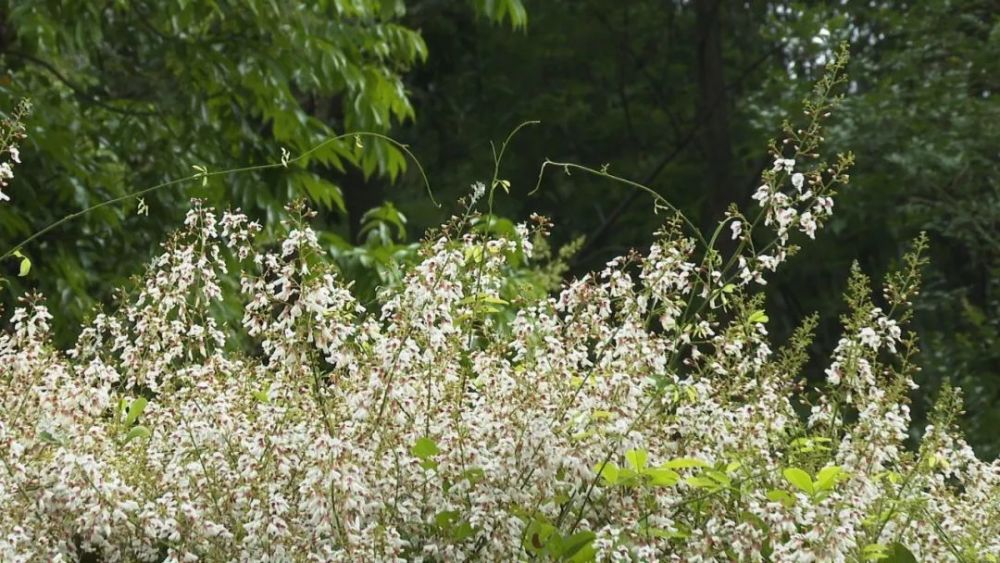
713 112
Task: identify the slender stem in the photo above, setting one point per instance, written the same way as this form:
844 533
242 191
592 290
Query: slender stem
604 174
205 175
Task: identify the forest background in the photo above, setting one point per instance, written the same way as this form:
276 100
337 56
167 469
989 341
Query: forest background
677 95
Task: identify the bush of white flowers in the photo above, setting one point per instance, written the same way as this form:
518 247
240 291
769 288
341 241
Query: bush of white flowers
641 414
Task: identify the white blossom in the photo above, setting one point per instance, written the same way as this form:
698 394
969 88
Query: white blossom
798 180
736 227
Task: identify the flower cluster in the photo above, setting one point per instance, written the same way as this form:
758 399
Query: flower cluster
11 131
641 413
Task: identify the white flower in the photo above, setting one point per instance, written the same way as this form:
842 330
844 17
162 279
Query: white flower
787 163
798 180
737 228
762 194
833 374
6 172
785 217
869 337
3 196
807 223
478 190
15 155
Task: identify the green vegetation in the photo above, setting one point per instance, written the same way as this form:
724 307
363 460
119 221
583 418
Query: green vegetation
678 97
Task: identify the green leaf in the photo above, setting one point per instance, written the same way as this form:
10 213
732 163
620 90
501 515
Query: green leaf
425 448
875 552
135 411
446 518
462 532
827 477
609 472
573 545
25 266
537 536
662 477
136 432
262 395
800 479
777 495
719 477
586 554
703 483
758 317
898 553
637 459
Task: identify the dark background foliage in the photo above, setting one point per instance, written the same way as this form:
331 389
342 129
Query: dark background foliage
679 95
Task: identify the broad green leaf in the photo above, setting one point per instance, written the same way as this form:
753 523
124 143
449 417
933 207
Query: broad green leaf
828 476
424 448
135 410
586 554
703 483
719 477
136 432
662 477
875 552
576 543
446 518
898 553
25 266
637 459
800 479
463 531
758 317
609 472
537 536
666 534
783 497
627 476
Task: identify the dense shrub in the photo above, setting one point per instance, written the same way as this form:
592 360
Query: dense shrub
640 414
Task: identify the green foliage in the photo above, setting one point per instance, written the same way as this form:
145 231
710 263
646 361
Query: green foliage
210 84
816 489
128 416
206 84
545 541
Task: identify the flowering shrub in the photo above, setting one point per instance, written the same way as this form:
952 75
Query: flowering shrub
11 131
640 414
